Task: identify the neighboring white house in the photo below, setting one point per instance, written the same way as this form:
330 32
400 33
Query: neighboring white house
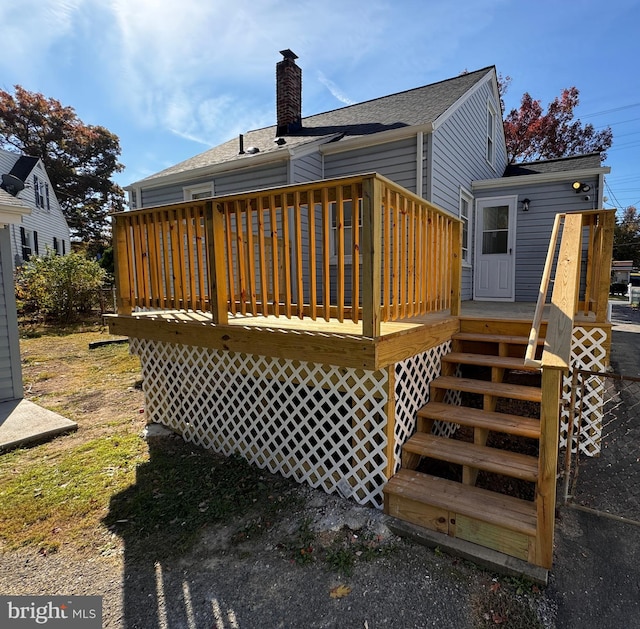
45 228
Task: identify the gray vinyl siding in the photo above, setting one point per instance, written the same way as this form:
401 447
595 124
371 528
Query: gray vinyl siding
150 197
266 176
459 150
244 180
10 369
466 289
533 228
395 160
307 168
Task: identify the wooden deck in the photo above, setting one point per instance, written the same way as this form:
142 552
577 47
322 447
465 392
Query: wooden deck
330 342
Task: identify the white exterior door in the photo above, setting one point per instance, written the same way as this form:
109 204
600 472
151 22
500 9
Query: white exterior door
494 274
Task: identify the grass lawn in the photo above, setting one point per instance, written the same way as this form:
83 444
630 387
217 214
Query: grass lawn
90 490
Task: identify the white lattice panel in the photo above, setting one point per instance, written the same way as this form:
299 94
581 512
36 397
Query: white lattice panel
588 351
413 376
319 424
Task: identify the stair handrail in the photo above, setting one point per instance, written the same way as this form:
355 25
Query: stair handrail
534 334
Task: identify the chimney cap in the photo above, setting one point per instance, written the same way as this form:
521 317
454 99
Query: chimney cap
288 54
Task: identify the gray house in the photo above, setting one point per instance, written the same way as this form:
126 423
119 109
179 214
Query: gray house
444 142
294 297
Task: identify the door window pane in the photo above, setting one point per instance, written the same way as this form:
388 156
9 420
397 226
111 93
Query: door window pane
495 229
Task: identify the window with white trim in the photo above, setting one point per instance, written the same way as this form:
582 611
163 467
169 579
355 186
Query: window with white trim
201 191
491 134
466 205
26 243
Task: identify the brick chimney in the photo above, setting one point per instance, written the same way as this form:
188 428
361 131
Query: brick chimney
288 94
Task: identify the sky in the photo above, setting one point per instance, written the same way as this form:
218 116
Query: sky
174 78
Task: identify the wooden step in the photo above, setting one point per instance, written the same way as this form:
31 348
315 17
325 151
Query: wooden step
494 338
488 360
477 418
480 504
493 460
498 389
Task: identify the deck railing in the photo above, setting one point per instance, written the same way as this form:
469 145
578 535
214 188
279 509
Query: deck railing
581 285
360 248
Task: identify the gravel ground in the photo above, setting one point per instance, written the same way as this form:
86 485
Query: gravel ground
256 584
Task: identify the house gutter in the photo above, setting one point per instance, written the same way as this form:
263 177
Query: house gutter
527 180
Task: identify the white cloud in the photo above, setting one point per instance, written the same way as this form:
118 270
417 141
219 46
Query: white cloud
336 92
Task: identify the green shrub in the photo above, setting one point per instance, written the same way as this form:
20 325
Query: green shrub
59 287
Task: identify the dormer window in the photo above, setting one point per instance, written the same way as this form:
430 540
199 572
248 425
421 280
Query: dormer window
491 134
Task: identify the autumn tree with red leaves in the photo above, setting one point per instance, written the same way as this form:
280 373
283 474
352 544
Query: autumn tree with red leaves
532 134
80 159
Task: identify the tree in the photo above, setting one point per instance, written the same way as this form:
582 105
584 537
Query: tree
532 134
626 236
80 159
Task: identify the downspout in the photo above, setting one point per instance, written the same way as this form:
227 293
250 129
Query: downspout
419 163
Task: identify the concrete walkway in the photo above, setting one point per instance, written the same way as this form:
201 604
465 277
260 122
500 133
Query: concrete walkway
23 422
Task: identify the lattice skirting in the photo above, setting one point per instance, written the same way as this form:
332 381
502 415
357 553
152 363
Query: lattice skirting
588 351
322 425
413 377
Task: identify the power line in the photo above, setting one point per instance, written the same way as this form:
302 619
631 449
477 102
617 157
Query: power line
613 196
610 111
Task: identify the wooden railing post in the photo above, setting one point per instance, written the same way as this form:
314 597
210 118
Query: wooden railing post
604 264
456 267
547 465
121 266
214 218
371 248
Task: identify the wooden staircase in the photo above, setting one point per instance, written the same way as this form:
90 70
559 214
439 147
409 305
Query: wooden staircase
460 486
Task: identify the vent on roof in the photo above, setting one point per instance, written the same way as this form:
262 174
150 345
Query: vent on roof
252 150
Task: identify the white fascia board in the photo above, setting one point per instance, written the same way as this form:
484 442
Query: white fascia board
440 120
363 141
214 169
12 215
527 180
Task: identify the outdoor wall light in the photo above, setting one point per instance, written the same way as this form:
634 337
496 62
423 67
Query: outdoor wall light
525 205
579 187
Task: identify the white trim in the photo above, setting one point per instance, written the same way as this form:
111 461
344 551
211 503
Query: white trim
527 180
12 214
512 202
241 162
198 173
199 188
464 193
490 136
419 163
438 122
383 137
